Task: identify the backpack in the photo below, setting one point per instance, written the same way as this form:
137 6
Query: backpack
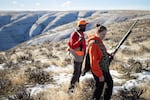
75 57
105 62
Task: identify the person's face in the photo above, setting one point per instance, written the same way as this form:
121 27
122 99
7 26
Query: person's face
82 28
103 34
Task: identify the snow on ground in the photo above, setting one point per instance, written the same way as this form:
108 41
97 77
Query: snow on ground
50 36
117 76
64 75
58 69
62 78
2 66
141 78
40 88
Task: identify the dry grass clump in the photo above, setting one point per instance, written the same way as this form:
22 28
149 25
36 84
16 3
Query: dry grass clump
5 82
118 65
10 81
133 94
83 91
131 66
135 66
138 39
2 58
39 76
144 49
61 94
5 85
146 88
21 94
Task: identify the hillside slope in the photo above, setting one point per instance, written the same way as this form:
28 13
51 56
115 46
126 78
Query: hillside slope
43 70
17 27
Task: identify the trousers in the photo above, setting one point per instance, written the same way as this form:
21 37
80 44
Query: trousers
100 85
76 74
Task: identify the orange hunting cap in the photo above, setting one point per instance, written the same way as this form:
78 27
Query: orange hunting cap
82 22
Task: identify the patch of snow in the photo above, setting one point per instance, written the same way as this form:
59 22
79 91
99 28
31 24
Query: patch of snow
116 76
40 24
2 66
48 36
42 60
62 78
115 73
87 75
84 14
116 89
141 78
57 69
144 76
39 88
61 19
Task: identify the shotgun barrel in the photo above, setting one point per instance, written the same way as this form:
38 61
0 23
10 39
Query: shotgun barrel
125 37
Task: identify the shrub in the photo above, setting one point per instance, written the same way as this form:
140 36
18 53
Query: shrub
39 76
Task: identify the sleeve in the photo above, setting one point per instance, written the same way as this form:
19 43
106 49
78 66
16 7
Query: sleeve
74 41
95 57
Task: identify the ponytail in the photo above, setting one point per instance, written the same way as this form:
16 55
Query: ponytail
97 25
100 28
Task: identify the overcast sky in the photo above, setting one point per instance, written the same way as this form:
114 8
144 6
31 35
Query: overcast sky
74 5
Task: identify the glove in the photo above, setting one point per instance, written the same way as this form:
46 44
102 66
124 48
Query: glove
101 79
111 56
81 39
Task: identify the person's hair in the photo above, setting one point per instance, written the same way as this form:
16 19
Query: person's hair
100 28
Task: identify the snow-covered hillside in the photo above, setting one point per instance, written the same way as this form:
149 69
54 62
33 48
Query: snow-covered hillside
17 27
42 71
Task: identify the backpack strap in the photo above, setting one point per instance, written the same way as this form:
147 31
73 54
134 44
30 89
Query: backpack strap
105 61
78 33
101 47
90 43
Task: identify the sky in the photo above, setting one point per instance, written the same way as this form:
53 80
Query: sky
65 5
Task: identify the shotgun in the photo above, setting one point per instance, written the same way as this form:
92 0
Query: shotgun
125 37
117 47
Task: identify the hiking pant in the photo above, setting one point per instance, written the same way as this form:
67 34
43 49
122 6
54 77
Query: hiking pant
99 87
76 74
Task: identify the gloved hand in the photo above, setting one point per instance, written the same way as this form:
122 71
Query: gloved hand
81 39
101 79
111 56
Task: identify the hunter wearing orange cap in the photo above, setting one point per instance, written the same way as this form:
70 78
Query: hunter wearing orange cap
77 49
82 22
98 59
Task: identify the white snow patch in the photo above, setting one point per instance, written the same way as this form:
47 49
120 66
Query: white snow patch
62 78
54 68
144 76
115 73
2 66
40 88
43 60
116 76
87 76
116 89
141 78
